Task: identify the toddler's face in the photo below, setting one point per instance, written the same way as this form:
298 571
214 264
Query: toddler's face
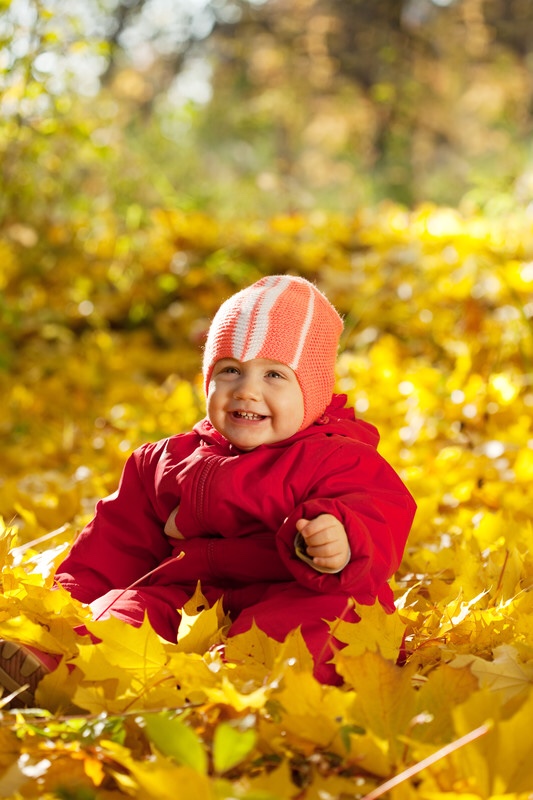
254 402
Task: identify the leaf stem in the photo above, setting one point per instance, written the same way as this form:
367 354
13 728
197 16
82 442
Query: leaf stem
427 762
21 548
159 568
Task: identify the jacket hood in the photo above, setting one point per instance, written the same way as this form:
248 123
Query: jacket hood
336 419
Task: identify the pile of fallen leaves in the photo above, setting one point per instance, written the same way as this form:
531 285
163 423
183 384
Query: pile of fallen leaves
101 325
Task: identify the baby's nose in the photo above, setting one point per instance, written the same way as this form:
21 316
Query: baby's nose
247 388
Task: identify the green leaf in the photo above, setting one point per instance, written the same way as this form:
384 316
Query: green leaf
346 730
176 740
231 746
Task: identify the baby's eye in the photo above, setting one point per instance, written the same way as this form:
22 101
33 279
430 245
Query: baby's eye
274 374
225 369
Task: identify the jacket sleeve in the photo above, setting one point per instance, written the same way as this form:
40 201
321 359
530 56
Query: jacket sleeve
356 485
123 542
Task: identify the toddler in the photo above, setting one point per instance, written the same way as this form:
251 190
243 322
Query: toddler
278 499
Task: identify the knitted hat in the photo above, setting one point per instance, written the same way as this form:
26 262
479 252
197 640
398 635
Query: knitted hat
286 319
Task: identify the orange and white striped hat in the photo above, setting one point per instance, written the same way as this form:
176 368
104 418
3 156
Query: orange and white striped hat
286 319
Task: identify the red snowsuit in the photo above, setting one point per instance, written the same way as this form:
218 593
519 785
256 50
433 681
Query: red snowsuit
237 514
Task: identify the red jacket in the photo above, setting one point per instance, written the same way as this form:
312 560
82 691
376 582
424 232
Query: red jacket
237 513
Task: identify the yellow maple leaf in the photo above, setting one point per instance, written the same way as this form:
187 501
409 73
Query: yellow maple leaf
197 602
377 631
255 653
121 670
308 714
193 673
134 649
505 674
226 692
198 632
252 649
385 701
100 698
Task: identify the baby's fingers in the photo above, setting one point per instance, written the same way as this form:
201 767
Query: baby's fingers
327 549
321 528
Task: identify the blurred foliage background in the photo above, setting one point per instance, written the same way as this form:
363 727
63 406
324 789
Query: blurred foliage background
235 106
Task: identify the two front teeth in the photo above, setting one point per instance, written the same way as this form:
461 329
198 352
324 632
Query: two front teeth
248 415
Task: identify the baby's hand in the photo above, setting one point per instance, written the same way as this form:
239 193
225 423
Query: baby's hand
326 541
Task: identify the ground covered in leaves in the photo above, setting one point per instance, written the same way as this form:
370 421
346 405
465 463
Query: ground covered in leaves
101 323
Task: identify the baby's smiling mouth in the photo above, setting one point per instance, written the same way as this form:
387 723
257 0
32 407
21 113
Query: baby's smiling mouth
248 415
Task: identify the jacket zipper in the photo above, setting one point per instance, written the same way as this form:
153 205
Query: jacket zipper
203 481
